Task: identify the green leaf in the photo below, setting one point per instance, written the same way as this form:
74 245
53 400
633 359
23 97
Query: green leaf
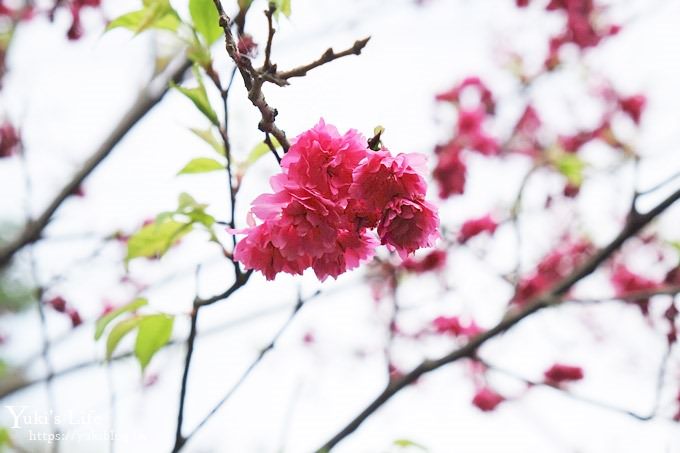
157 14
154 332
5 439
405 443
118 333
261 149
206 19
208 136
106 319
201 165
199 97
571 166
282 6
194 210
199 53
676 245
155 239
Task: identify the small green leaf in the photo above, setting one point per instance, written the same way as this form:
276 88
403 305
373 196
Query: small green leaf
261 149
571 166
194 210
199 54
157 14
209 137
118 332
155 239
201 165
106 319
244 4
676 245
199 97
154 332
405 443
206 19
282 6
5 439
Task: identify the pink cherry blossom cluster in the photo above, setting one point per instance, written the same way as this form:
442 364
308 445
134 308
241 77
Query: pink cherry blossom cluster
60 305
75 31
331 192
626 282
452 325
476 226
28 11
583 26
554 266
560 373
530 137
9 140
469 134
487 399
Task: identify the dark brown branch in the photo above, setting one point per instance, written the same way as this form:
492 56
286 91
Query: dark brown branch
553 297
179 439
32 232
252 80
328 56
267 66
241 280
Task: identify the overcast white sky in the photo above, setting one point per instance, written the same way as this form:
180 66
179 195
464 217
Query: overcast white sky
67 96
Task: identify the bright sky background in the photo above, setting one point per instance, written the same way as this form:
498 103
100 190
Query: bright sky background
67 96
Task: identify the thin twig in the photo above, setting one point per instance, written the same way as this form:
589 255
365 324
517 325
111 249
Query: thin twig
19 385
328 56
40 290
659 185
299 304
179 439
568 393
252 80
112 407
267 67
33 230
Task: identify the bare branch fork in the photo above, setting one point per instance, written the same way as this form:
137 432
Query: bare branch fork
254 79
551 298
564 391
181 440
241 280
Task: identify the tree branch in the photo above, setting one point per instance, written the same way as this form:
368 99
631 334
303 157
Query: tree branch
328 56
241 280
252 80
553 297
32 232
564 391
270 346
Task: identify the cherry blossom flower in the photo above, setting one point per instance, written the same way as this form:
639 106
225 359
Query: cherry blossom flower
450 171
408 225
487 399
9 140
331 191
559 373
322 160
433 261
476 226
380 178
633 106
452 325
